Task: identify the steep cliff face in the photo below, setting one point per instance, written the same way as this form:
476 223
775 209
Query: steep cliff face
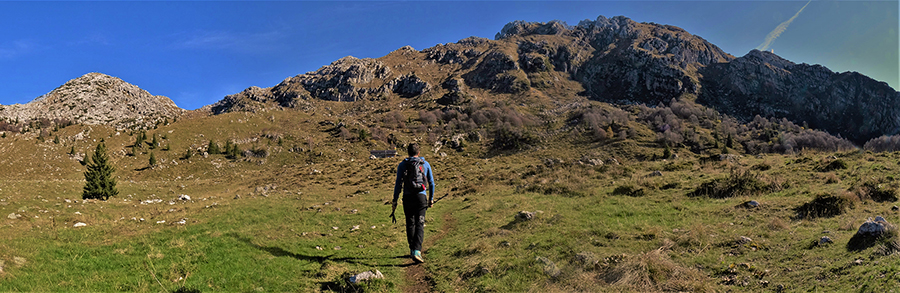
761 83
96 98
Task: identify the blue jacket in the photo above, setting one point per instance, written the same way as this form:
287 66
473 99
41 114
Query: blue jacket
401 169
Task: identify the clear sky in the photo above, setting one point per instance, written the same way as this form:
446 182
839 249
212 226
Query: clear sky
198 52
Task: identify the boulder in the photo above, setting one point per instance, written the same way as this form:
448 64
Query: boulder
368 275
873 228
79 224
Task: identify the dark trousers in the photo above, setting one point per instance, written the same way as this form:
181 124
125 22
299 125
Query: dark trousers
414 206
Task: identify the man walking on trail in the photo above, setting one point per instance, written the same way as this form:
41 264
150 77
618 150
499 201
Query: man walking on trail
413 174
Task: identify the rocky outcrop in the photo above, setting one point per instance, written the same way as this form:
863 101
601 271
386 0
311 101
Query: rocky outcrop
409 85
96 98
762 83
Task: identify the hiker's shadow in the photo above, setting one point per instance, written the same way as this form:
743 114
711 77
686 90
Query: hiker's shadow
280 252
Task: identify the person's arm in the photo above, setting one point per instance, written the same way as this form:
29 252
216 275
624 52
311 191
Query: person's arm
430 177
398 186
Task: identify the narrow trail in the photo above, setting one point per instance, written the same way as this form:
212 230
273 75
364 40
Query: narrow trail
417 278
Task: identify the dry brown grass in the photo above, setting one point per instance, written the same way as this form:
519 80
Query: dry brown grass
654 271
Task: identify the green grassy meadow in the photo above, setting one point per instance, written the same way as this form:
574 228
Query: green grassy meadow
286 222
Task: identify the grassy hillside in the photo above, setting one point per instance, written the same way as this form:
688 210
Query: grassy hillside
619 203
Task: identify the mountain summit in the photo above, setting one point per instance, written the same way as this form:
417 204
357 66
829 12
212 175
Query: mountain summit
97 98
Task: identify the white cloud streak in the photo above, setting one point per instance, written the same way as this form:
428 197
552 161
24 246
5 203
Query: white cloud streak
16 48
223 40
778 30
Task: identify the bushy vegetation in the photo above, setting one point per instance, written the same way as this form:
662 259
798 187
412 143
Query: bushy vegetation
737 183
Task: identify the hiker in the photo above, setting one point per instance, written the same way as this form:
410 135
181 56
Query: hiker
413 174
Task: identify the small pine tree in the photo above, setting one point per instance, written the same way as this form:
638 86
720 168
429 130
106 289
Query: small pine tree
213 148
134 150
155 142
139 140
188 154
667 153
235 152
56 139
99 176
152 159
729 142
4 135
72 150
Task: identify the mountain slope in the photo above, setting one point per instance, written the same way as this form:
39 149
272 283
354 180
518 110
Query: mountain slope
96 98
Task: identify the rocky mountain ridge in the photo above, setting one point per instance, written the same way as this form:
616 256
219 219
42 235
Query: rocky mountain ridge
615 60
96 98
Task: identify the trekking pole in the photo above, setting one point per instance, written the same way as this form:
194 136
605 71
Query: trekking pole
440 198
393 210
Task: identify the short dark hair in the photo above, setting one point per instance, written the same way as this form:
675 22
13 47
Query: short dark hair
412 149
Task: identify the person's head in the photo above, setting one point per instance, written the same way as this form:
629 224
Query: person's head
412 149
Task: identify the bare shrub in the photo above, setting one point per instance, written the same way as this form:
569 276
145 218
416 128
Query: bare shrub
427 118
884 144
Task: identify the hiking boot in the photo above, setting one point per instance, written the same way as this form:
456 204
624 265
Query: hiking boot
417 256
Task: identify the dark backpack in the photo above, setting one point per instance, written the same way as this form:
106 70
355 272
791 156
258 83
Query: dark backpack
415 174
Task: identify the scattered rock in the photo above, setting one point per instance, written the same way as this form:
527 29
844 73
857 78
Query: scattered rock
161 221
13 216
728 157
354 228
19 261
550 268
751 204
366 276
895 208
825 240
182 222
744 240
655 174
337 248
79 224
587 259
318 248
184 197
524 216
237 196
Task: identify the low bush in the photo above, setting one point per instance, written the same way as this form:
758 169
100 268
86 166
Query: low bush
736 184
877 192
833 165
826 205
629 190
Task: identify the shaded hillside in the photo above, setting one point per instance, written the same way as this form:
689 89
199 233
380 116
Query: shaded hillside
761 83
96 98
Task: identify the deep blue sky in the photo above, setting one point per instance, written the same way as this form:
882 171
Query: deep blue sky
198 52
